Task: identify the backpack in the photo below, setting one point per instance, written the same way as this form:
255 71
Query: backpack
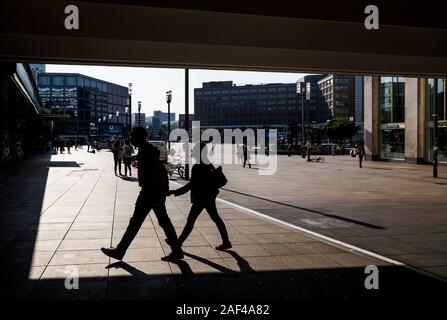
219 177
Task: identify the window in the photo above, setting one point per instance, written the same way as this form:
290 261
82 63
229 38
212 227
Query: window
70 81
58 81
44 81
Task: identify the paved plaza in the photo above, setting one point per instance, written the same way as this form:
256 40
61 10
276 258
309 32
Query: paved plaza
56 212
394 209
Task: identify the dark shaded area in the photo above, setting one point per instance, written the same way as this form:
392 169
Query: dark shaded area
397 12
329 215
65 164
314 284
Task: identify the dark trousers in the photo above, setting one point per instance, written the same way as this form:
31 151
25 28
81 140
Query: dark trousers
127 161
246 160
194 213
117 164
145 203
360 160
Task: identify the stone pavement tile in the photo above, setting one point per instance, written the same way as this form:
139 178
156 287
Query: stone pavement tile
42 235
215 240
33 246
246 250
13 227
142 254
146 242
48 226
262 229
86 272
83 244
310 261
162 287
214 231
248 222
424 259
88 234
254 264
57 218
284 249
94 218
91 226
198 265
23 260
139 270
205 252
142 233
56 210
441 271
195 241
78 257
352 260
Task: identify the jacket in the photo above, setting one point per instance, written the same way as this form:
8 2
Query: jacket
202 185
152 175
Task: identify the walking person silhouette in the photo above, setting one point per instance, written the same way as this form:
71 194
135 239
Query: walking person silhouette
204 188
153 180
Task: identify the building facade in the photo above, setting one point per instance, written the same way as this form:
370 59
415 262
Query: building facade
399 118
139 119
315 109
338 95
94 106
225 105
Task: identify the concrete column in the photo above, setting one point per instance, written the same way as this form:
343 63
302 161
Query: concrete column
412 120
371 117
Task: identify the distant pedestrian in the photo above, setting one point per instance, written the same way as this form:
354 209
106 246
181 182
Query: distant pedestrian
127 157
361 154
117 150
289 150
246 155
68 144
333 150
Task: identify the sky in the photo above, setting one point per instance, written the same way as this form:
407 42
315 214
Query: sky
150 84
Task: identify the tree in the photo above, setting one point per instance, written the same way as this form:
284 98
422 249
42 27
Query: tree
339 129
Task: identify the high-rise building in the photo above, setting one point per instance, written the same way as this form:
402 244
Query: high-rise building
338 93
90 103
163 116
317 112
139 119
225 105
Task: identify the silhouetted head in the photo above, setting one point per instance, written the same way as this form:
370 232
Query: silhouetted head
138 136
127 142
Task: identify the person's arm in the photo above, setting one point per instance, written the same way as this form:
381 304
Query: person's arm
181 191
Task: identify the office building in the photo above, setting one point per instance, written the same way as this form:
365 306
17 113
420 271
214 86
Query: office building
89 103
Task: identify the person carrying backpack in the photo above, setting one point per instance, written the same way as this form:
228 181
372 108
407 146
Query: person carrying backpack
204 186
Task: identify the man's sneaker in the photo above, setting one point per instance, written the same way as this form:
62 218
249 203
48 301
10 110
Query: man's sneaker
113 253
224 246
174 256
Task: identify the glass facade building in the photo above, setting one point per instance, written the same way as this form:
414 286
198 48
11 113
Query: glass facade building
89 102
436 103
392 118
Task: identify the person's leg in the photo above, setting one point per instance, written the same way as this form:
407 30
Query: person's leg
125 166
194 213
119 163
116 164
166 224
142 208
214 215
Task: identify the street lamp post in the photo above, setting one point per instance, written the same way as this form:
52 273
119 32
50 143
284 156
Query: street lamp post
168 100
129 109
301 90
127 120
307 116
139 113
99 130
